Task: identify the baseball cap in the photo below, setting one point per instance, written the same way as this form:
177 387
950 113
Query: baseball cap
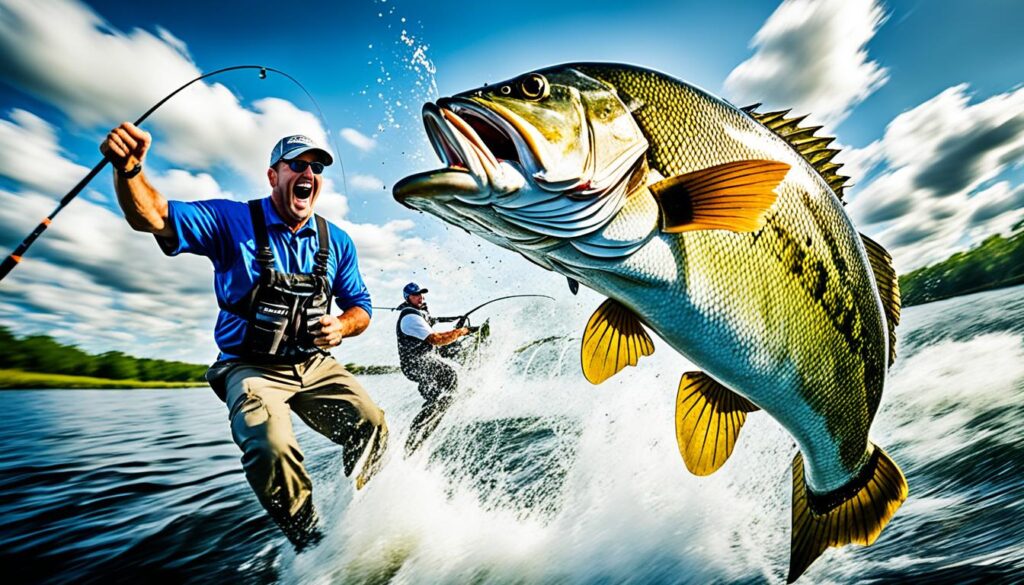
292 146
413 289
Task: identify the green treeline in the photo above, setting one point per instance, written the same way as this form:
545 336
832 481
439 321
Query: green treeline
994 263
40 353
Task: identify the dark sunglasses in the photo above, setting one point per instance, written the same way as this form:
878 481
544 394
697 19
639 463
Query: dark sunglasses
299 166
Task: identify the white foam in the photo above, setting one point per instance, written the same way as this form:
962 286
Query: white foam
627 509
932 395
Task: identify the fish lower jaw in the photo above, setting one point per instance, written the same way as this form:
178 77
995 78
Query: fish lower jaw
440 186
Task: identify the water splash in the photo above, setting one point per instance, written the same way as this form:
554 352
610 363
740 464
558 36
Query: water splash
405 74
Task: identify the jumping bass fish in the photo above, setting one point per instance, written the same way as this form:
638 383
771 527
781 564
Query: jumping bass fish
721 229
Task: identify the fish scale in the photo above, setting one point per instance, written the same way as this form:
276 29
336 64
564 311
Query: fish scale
783 311
834 384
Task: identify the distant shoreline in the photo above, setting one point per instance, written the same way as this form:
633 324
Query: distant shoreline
1008 283
997 262
21 380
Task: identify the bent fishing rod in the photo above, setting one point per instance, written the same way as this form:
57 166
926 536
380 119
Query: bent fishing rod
15 257
465 316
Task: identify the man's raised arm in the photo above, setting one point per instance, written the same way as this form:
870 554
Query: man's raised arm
143 206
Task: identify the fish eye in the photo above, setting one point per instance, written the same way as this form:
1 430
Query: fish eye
534 86
505 90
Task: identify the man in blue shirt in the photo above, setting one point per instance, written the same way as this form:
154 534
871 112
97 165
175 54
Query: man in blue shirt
276 267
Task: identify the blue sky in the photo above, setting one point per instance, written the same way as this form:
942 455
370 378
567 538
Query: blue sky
925 96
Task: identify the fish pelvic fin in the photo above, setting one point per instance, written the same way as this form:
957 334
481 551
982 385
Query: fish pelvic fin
614 339
888 288
853 514
709 417
733 196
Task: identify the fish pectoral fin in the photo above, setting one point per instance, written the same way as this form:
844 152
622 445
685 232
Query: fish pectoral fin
574 285
888 288
733 196
709 417
614 339
855 513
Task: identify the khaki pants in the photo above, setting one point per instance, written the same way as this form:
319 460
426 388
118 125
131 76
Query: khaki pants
260 400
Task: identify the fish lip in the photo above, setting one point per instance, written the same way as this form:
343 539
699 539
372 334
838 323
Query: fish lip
451 126
475 112
468 164
445 137
443 185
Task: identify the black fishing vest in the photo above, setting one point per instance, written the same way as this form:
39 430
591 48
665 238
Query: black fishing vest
412 351
283 310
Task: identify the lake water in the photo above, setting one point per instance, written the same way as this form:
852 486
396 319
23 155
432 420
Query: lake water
533 477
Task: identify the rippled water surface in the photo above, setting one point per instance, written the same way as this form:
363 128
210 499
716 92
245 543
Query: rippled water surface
534 476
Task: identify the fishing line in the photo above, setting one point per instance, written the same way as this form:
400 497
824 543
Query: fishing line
474 309
15 257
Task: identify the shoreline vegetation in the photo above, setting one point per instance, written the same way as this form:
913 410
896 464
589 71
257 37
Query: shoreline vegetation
997 262
39 361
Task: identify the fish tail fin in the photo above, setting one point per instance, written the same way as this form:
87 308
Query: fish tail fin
853 514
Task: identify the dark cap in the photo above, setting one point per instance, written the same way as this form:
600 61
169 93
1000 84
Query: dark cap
292 146
413 289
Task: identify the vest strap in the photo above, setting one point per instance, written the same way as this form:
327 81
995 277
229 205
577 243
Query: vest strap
264 255
324 240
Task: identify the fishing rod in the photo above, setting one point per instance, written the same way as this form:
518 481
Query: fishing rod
465 316
15 257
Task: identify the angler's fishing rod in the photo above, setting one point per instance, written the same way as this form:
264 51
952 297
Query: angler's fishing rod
15 257
465 315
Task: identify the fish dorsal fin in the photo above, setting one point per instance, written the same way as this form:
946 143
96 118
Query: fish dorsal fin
709 417
888 288
733 196
614 339
813 148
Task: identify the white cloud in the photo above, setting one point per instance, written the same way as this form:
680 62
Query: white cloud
385 247
63 53
366 183
358 139
858 162
173 41
810 56
936 159
185 186
30 155
91 281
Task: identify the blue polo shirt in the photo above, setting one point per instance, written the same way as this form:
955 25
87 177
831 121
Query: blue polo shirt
222 230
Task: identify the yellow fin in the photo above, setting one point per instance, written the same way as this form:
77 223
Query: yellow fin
614 339
888 288
732 196
854 514
709 417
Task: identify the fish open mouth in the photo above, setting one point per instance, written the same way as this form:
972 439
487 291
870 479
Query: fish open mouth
480 154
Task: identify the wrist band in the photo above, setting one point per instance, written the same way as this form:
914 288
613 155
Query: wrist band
131 172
